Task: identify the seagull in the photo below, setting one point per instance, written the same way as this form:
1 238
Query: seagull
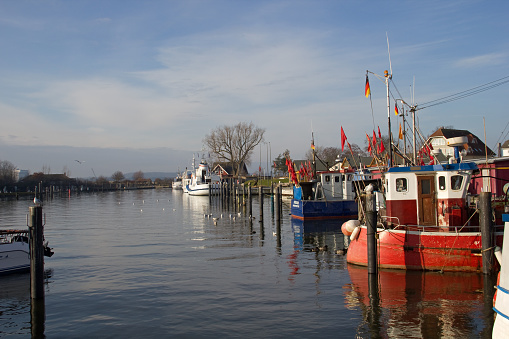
37 202
80 161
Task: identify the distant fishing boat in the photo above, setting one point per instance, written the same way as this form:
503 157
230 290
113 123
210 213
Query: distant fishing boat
331 195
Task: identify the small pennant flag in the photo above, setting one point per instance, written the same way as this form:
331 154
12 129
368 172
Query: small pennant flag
367 90
343 139
369 143
400 132
396 109
312 145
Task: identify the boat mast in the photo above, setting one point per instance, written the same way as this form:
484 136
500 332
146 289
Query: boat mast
387 78
314 159
404 135
414 150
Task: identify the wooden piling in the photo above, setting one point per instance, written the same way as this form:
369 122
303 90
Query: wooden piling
371 217
249 201
36 253
486 226
260 195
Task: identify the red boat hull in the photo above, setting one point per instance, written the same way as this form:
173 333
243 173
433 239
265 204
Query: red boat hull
422 250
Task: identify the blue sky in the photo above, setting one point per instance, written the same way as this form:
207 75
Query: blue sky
95 76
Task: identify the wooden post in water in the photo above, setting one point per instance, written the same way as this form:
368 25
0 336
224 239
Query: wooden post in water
249 201
36 253
371 232
260 195
485 224
277 212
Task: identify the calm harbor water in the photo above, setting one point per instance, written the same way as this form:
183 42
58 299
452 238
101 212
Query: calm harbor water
149 264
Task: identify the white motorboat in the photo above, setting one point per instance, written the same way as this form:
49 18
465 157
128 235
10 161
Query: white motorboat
14 251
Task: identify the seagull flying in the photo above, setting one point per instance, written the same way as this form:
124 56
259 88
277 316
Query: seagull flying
80 161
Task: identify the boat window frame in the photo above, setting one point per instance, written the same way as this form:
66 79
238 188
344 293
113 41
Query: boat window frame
442 183
401 185
454 185
327 178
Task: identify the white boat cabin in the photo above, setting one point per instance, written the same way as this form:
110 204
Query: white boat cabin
335 185
434 195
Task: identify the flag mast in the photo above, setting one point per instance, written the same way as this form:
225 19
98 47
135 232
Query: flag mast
387 78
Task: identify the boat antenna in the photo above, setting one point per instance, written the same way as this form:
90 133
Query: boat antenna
389 50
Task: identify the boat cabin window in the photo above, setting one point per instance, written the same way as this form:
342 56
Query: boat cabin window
327 178
401 185
336 178
349 177
456 181
441 183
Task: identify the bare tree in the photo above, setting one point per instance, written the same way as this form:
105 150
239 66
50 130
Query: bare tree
118 176
234 144
6 173
329 155
138 176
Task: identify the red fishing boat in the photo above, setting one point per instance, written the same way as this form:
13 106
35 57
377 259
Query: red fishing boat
426 221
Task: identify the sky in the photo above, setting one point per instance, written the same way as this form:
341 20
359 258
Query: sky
137 85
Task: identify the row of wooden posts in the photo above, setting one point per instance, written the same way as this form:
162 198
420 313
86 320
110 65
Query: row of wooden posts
231 192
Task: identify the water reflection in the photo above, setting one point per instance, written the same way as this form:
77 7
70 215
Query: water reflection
414 304
321 234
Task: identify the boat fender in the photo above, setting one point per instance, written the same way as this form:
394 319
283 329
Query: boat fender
498 254
355 233
348 226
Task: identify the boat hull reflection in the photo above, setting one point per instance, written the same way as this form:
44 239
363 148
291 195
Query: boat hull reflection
419 304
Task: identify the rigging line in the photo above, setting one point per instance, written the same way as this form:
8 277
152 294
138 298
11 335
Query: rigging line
397 90
463 96
468 90
501 134
460 95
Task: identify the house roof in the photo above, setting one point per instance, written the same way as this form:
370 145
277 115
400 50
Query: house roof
225 168
505 144
475 147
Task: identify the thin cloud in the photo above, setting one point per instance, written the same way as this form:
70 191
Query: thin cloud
490 59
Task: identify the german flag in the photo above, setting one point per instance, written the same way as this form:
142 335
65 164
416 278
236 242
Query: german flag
367 91
396 109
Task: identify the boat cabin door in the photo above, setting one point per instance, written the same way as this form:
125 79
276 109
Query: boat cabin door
426 202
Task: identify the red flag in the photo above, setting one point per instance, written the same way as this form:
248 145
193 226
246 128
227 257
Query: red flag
374 138
379 134
382 147
369 143
343 139
367 90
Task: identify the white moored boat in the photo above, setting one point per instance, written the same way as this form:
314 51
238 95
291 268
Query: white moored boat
201 181
14 251
177 182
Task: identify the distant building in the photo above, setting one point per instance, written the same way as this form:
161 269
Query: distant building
505 149
473 149
224 169
20 174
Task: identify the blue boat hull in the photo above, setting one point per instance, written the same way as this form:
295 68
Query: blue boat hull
312 209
